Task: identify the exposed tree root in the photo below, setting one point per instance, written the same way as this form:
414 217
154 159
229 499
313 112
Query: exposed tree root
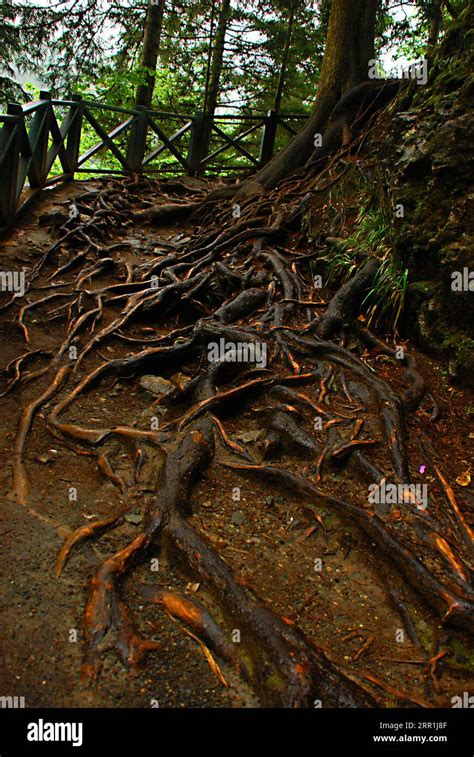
20 486
322 405
80 535
451 606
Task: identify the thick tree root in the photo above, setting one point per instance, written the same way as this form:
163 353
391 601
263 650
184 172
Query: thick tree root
323 407
306 672
451 606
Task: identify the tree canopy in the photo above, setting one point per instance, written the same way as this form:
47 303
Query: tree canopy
96 47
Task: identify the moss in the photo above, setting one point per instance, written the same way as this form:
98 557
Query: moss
275 682
247 661
418 155
460 347
425 632
421 288
462 656
419 292
458 342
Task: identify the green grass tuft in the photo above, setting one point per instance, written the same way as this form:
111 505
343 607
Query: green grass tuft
372 235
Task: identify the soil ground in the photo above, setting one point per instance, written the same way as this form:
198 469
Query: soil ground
267 540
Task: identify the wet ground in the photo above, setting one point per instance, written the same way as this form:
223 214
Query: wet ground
323 573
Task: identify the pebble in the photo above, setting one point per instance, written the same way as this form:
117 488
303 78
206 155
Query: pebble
134 518
238 518
249 436
156 385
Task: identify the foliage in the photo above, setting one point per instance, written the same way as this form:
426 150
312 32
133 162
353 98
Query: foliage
372 236
24 32
94 46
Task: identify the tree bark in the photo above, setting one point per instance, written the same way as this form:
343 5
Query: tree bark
149 52
435 28
216 69
349 47
284 63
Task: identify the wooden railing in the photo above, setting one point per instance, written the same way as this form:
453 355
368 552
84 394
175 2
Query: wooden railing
49 140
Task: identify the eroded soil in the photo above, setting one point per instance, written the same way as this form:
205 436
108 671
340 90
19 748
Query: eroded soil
309 565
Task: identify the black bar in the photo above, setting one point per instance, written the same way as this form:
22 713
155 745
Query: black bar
432 732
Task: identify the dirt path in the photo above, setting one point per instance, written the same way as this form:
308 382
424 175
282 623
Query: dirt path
311 565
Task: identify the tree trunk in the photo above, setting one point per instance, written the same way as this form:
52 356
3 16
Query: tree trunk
149 53
216 70
436 19
349 47
284 63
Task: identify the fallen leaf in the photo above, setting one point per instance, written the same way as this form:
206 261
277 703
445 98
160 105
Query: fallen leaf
192 587
464 479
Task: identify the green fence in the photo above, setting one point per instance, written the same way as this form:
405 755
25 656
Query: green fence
48 140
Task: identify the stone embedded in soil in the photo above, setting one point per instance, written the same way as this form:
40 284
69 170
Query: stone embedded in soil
156 385
55 216
247 437
148 417
45 459
134 518
238 518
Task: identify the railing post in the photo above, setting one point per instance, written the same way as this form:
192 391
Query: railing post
73 143
195 155
10 143
267 144
137 140
38 136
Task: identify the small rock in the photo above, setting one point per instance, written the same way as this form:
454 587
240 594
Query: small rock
149 415
156 385
269 501
55 216
134 518
49 458
238 518
249 436
192 587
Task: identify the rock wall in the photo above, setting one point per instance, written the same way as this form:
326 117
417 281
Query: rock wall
424 147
